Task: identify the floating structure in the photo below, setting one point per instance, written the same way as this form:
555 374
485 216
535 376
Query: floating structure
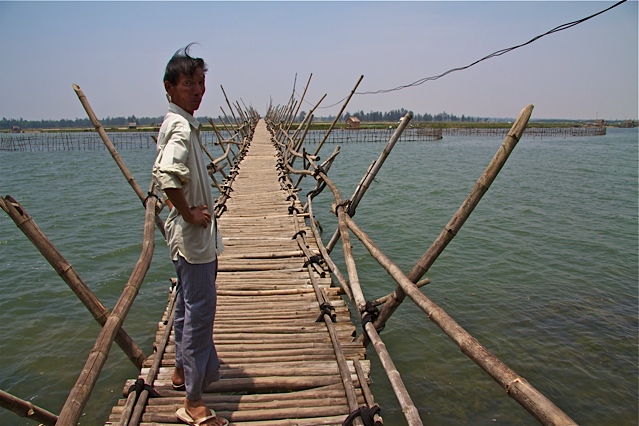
288 319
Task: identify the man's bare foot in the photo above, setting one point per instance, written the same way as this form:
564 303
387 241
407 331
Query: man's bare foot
197 410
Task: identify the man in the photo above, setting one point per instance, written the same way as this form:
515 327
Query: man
180 172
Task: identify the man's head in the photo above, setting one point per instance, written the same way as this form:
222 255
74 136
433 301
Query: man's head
184 80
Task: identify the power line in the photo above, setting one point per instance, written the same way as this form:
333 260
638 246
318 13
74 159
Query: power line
421 81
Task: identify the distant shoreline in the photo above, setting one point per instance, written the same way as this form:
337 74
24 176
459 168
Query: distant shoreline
363 126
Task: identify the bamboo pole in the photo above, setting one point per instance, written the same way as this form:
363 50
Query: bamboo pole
337 348
230 107
331 265
26 409
217 132
517 387
403 397
371 174
30 229
462 214
79 396
351 267
297 110
116 156
155 368
338 116
408 408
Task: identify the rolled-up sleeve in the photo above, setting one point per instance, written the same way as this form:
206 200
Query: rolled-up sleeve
170 170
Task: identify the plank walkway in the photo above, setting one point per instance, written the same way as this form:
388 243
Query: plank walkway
278 364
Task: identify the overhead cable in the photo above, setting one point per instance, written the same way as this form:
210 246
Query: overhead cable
421 81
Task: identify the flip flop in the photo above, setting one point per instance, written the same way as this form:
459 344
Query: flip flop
186 418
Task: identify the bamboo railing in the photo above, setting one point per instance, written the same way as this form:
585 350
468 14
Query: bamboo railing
516 387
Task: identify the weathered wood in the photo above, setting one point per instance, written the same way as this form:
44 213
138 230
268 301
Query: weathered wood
79 395
26 409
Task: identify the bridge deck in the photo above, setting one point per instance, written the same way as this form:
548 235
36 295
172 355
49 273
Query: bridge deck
278 364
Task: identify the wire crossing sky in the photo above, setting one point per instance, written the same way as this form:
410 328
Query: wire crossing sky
492 55
116 52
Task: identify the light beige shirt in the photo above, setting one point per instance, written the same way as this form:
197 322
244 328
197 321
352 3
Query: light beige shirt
180 164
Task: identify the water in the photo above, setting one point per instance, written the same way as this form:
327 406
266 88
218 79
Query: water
544 273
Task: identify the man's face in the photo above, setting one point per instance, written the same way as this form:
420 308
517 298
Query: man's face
188 92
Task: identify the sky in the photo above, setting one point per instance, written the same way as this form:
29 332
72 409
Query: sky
261 52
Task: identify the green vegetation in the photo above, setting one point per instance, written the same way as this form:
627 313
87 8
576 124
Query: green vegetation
370 120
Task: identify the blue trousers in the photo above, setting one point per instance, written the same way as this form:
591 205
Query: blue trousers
194 316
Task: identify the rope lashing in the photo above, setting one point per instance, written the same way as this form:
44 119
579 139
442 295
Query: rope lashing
318 170
366 414
314 260
326 309
292 209
149 195
220 209
291 197
370 315
344 204
140 386
314 193
301 233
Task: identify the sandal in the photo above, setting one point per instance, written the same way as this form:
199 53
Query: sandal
186 418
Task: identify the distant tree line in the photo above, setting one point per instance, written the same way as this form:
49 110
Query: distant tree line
372 116
396 114
9 123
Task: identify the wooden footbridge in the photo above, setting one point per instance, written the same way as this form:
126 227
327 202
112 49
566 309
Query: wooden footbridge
285 328
281 361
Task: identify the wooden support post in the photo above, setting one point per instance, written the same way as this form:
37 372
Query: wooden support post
26 409
79 396
517 387
116 156
27 225
464 211
338 116
370 175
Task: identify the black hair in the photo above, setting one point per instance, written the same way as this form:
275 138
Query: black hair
182 63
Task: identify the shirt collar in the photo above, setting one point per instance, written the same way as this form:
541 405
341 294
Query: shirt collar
178 110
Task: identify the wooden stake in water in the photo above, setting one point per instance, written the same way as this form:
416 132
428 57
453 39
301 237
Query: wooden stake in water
462 214
31 230
116 156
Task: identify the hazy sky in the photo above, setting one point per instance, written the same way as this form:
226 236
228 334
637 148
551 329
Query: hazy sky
116 52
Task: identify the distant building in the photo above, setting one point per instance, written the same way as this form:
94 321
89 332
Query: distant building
133 125
353 122
16 129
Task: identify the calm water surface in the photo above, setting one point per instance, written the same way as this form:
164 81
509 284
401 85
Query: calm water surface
544 273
